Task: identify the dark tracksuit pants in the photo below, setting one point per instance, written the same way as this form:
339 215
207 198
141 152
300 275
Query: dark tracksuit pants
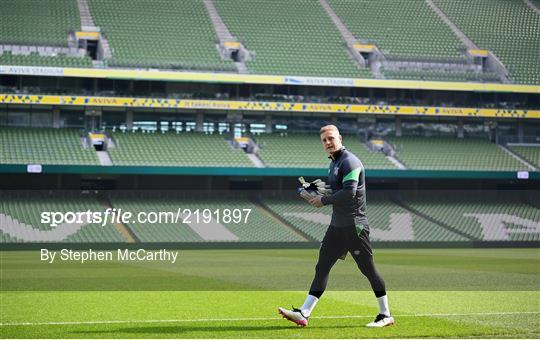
336 243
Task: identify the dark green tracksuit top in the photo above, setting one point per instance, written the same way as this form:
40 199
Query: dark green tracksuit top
347 181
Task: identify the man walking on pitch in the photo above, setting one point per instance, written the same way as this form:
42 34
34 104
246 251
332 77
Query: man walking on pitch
348 230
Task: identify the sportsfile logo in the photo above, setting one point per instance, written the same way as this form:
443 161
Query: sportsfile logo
113 215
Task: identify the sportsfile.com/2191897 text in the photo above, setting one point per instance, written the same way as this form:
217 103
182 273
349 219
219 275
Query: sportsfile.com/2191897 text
113 215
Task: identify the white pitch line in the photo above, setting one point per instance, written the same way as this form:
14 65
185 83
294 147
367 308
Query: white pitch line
244 319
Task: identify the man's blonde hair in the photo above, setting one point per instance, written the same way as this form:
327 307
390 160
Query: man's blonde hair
328 128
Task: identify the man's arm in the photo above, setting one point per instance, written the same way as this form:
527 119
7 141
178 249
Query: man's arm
351 170
342 196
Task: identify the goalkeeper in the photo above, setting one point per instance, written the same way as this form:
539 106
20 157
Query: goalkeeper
348 230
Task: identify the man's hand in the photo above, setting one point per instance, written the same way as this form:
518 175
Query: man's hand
316 201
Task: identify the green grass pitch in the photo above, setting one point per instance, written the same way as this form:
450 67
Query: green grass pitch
235 294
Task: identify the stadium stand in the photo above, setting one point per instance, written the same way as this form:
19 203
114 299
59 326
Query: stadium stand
156 232
291 150
182 38
448 153
171 149
44 146
33 59
400 28
388 221
297 150
289 37
260 226
486 219
529 153
27 209
44 22
509 28
442 76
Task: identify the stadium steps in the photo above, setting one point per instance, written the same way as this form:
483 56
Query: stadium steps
530 153
257 162
280 220
222 30
432 220
403 50
86 16
396 162
459 33
223 33
121 227
532 6
347 36
501 69
516 156
398 28
104 158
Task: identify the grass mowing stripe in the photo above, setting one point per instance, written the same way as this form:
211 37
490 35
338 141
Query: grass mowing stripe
250 319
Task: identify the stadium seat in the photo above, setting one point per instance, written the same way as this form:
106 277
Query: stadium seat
182 38
44 146
508 28
297 150
289 38
449 153
171 149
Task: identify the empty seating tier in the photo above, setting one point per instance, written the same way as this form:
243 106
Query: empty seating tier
289 37
160 33
305 151
508 28
23 214
449 153
388 221
258 226
485 219
42 23
44 146
34 59
529 153
172 149
400 28
487 77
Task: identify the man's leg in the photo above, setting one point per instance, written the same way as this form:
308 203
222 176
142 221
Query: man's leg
360 249
331 249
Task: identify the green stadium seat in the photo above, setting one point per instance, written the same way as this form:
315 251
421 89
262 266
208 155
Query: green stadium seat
172 149
298 150
449 153
44 146
182 38
508 28
289 38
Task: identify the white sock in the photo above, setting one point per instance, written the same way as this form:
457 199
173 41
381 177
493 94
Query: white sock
383 305
308 305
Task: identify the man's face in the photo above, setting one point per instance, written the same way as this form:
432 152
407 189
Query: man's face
331 141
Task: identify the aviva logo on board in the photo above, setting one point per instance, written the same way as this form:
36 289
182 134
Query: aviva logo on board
264 106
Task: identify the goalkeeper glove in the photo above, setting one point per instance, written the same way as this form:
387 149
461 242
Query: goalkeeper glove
317 185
